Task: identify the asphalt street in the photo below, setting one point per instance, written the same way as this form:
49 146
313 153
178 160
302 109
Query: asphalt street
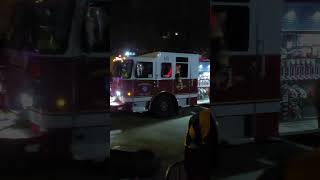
165 137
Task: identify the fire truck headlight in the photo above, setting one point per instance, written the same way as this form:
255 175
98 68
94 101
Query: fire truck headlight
118 93
60 102
26 100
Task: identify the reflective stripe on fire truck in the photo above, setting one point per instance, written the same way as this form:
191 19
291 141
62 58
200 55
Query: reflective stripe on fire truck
142 98
246 108
187 95
137 98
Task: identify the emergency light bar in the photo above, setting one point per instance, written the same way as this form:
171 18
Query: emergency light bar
119 58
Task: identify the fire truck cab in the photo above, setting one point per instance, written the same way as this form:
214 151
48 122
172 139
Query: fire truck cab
159 82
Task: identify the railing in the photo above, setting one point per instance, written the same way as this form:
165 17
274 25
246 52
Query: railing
176 171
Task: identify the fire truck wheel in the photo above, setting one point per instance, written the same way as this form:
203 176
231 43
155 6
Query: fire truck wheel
163 106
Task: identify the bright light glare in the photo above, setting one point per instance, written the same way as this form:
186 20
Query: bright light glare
61 102
118 93
129 53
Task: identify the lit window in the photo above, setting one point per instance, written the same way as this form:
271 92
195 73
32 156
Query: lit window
166 70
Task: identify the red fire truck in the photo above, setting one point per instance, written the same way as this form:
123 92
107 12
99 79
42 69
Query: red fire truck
246 86
159 82
56 69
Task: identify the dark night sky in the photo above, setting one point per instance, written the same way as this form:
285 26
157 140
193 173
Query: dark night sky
5 14
142 24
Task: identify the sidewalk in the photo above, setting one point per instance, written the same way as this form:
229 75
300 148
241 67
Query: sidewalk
298 126
247 161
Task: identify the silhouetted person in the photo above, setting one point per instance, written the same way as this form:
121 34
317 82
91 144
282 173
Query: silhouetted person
201 146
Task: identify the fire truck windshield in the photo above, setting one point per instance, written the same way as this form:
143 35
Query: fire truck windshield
122 69
41 25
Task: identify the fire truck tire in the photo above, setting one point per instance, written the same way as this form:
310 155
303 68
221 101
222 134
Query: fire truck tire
163 106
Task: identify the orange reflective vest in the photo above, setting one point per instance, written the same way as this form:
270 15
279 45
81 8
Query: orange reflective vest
202 130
